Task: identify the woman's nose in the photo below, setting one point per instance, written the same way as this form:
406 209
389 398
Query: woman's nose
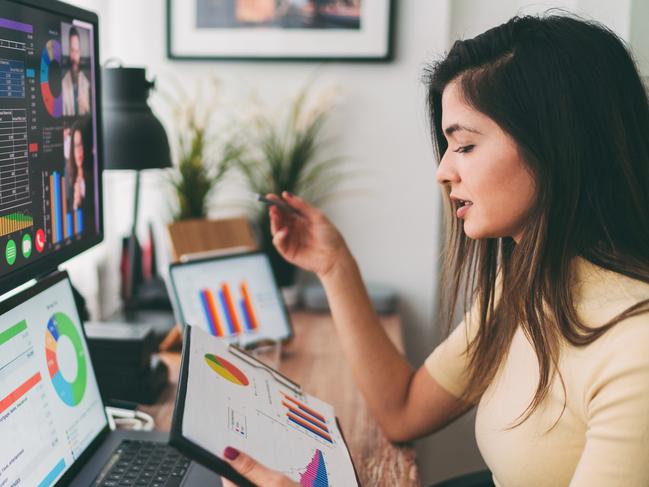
446 173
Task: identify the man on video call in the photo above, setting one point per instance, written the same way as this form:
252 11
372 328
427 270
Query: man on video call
75 85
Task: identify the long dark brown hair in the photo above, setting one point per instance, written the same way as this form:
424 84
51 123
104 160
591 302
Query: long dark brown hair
568 92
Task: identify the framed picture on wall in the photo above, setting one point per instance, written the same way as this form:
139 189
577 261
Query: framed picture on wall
280 29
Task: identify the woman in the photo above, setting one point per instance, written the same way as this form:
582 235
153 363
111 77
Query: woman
78 177
542 129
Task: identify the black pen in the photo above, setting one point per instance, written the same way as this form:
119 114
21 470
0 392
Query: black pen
279 203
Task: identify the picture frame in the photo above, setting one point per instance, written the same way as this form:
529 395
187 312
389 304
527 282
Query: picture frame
280 30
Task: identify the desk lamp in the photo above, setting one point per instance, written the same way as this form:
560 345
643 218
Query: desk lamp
134 139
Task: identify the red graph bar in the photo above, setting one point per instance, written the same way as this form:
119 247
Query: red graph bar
248 304
230 304
19 392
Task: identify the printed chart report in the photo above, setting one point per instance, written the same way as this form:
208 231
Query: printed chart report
231 403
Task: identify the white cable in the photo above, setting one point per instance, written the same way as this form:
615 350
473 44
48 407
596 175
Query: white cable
129 419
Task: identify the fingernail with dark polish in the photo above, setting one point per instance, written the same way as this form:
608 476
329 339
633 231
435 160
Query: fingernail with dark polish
231 453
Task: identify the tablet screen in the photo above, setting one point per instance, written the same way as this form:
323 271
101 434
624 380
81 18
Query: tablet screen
233 297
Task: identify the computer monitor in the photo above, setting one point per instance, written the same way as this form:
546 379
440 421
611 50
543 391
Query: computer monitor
51 412
50 137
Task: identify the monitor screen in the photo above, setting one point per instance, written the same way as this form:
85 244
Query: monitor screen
50 407
50 168
233 297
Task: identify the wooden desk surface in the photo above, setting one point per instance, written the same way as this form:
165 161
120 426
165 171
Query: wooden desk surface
315 360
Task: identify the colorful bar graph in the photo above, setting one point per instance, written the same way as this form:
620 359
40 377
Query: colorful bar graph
227 314
14 222
299 422
305 408
306 418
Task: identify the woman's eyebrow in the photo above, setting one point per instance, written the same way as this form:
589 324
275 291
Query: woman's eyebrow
456 127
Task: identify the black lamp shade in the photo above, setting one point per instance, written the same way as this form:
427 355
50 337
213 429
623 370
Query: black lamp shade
133 137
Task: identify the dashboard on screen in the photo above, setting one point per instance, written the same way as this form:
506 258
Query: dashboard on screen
50 148
50 406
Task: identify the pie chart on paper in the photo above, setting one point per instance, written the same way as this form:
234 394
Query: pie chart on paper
226 370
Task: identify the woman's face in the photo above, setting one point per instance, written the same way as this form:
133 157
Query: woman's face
78 149
483 168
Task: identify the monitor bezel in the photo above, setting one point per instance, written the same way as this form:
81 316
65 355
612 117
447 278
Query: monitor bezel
46 264
19 299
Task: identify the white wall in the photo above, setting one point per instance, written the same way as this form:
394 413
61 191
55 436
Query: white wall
392 225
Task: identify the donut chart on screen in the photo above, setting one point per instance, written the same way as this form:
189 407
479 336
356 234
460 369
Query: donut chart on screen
60 325
51 54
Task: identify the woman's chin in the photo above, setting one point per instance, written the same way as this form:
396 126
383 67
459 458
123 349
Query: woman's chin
471 231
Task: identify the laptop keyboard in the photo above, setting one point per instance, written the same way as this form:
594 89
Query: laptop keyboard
144 463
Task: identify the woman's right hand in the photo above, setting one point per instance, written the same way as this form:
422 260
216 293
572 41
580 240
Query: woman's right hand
308 240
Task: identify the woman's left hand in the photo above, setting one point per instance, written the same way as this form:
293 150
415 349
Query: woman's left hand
254 471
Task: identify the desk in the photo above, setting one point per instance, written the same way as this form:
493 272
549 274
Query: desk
315 360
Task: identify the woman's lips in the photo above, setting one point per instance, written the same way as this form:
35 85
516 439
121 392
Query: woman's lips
462 210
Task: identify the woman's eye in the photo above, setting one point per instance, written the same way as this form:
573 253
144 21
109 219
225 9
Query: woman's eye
464 149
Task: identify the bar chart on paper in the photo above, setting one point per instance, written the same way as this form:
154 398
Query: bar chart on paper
305 418
227 313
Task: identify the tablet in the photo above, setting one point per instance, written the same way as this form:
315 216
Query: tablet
234 297
226 397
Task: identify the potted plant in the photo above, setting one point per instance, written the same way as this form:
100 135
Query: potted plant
289 153
203 158
205 154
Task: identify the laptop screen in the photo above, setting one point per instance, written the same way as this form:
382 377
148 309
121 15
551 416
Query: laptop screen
234 297
50 407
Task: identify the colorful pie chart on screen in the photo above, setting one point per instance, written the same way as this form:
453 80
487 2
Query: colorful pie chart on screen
58 327
226 369
50 58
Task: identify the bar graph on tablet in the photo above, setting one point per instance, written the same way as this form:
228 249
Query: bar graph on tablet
233 297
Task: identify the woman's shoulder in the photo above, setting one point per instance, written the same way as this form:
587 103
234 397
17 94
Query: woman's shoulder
600 294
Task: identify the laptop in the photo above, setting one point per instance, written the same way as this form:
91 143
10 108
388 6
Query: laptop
53 425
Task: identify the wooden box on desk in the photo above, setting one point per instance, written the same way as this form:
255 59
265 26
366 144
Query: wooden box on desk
203 236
